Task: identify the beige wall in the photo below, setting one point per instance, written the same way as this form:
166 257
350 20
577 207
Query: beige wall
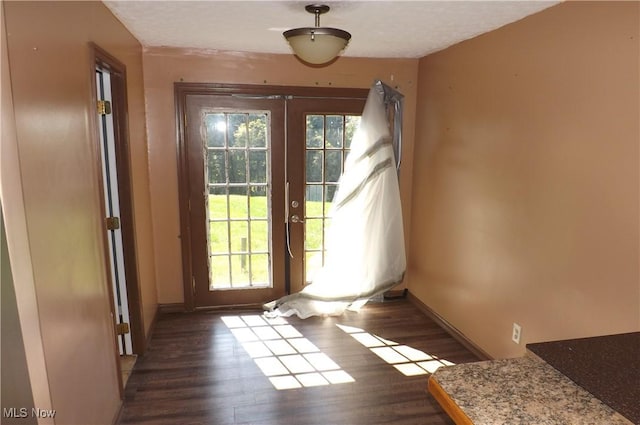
13 211
526 185
51 201
164 66
15 387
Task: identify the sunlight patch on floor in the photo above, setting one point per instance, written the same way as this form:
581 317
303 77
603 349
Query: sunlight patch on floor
283 354
407 360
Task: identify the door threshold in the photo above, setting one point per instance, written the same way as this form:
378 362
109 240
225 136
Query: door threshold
253 306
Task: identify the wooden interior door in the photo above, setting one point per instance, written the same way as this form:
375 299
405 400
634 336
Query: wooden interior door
117 171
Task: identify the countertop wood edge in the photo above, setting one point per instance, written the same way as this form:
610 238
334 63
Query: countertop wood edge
447 404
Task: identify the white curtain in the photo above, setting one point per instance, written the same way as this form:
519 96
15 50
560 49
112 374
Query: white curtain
365 253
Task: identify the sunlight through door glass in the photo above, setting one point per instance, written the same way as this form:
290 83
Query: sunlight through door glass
283 354
406 360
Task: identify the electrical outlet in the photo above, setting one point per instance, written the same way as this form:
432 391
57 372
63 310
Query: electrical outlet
516 333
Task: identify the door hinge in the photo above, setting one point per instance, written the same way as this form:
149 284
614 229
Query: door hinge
122 328
104 107
113 223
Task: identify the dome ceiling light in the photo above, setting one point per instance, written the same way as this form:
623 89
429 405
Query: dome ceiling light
317 45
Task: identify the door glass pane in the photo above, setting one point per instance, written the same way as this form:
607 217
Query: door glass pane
315 131
240 271
328 139
238 202
313 230
313 200
335 131
258 202
237 166
332 166
350 126
258 166
217 203
216 125
219 266
216 167
314 166
237 162
239 236
260 269
218 237
237 130
330 192
259 236
257 130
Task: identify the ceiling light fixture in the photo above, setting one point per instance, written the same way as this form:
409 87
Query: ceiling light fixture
317 45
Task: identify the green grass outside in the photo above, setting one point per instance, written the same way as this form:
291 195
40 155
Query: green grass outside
255 233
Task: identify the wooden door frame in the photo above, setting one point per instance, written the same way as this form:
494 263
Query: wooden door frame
181 91
101 58
273 110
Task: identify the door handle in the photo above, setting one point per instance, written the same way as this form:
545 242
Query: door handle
296 219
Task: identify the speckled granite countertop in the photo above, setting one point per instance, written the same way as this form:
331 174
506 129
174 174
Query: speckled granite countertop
606 366
525 390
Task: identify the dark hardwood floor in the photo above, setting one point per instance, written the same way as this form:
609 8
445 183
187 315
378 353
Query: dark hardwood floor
196 371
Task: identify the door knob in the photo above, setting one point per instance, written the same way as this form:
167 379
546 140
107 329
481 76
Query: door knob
296 219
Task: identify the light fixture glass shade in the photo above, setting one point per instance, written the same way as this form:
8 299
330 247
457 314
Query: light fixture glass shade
317 45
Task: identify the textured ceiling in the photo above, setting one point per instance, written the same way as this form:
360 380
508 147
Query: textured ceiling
387 29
